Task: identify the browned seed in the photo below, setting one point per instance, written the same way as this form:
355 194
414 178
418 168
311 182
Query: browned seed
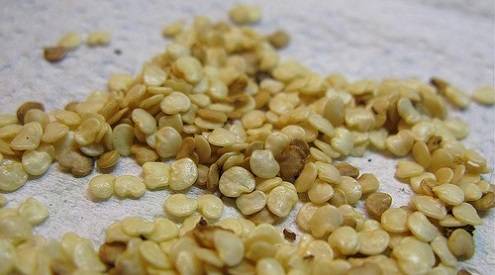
117 116
279 39
338 198
347 169
289 235
202 175
291 161
486 202
377 203
186 148
71 106
426 187
108 160
143 154
433 143
54 54
25 107
439 83
78 164
238 85
261 99
213 177
109 252
212 115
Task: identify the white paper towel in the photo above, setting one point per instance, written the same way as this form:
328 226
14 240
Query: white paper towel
361 39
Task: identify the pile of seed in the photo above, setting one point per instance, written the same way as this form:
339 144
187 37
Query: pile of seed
219 110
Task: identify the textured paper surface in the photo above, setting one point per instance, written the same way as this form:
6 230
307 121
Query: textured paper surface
361 39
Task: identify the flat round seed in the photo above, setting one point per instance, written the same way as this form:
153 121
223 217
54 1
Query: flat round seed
449 193
175 103
189 68
431 207
153 255
394 220
466 213
471 191
304 215
129 187
12 175
306 178
369 183
135 226
108 160
168 142
210 206
230 247
321 124
251 203
351 189
222 137
54 131
236 181
377 203
101 187
276 142
326 219
183 174
407 169
144 121
156 175
461 244
180 206
320 192
345 240
328 172
373 242
123 138
281 200
421 227
163 230
484 95
421 153
33 211
441 249
28 138
414 256
263 164
36 163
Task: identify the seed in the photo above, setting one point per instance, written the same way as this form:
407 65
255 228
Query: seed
222 137
414 256
441 249
33 211
143 154
236 181
180 206
36 163
484 95
306 178
421 153
101 187
263 164
325 219
15 229
123 138
144 121
471 191
369 183
212 115
373 242
251 203
461 244
320 192
12 175
346 169
486 202
377 203
281 200
276 142
168 142
449 193
394 220
129 187
245 14
156 175
28 138
26 107
359 118
421 227
407 169
431 207
401 143
210 206
175 103
345 240
54 54
466 213
152 254
98 38
328 172
70 41
188 68
229 247
351 189
279 39
163 230
183 174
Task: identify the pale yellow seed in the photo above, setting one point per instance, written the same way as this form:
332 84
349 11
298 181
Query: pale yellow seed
431 207
414 256
36 163
306 178
153 75
135 226
276 142
373 242
421 227
351 189
189 68
70 40
394 220
369 183
156 175
320 192
421 153
33 211
449 193
400 144
175 103
466 213
407 169
28 138
230 247
461 244
328 172
101 187
12 175
359 118
123 138
236 181
129 187
471 191
180 206
320 123
253 119
145 122
345 240
441 249
163 230
86 133
407 111
294 132
98 38
222 137
210 206
325 219
251 203
263 164
484 95
152 254
281 200
245 14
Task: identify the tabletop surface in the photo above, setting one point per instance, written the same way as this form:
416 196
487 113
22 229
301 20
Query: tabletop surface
360 39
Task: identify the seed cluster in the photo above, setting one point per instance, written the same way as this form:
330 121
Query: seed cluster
229 116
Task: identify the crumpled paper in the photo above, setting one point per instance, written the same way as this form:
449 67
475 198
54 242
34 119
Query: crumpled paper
361 39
